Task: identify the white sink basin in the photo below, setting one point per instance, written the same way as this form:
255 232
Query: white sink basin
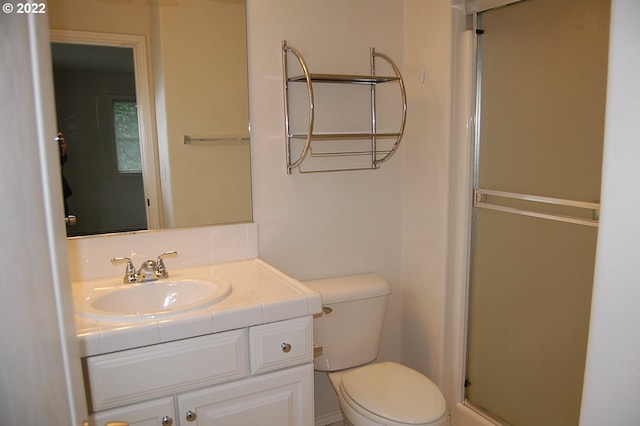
150 300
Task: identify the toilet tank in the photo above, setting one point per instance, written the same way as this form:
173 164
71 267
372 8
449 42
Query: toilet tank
350 325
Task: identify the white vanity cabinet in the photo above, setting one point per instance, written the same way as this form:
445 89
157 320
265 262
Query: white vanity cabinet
260 375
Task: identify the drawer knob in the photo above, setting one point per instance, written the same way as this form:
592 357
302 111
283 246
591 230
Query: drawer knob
191 416
286 348
167 421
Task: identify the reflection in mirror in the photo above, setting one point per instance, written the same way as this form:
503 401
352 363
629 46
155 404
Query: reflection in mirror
96 112
195 75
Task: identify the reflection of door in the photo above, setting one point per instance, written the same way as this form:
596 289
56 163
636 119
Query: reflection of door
542 80
95 103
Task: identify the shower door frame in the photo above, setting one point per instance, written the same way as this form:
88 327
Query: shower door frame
465 135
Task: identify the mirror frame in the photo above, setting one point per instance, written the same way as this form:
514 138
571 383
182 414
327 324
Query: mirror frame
148 147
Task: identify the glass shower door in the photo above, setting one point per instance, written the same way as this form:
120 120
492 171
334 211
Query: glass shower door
542 68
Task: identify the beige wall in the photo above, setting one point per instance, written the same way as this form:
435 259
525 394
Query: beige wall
100 16
199 52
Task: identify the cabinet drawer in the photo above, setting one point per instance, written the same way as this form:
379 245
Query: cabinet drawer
139 374
140 414
281 344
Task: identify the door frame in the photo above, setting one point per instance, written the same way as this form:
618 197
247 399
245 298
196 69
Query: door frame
461 207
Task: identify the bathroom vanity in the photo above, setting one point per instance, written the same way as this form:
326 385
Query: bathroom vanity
246 359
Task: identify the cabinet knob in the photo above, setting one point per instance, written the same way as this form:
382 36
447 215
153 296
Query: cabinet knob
190 416
167 421
286 348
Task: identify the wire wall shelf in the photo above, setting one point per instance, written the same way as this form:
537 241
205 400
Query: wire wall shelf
378 146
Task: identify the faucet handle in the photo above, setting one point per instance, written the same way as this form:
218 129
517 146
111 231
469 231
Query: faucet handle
161 270
130 272
168 253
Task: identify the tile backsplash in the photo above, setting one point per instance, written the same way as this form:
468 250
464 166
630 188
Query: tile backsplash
90 257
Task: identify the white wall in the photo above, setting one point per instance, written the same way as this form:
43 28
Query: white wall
428 47
89 257
613 371
40 372
325 224
333 223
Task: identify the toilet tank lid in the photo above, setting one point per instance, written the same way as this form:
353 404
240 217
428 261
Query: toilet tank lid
352 287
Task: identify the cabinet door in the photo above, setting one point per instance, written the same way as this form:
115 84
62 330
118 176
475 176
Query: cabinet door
159 412
276 399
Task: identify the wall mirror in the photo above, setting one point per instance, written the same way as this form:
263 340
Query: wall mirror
176 70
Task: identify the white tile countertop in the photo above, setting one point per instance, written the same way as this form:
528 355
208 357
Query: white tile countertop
260 294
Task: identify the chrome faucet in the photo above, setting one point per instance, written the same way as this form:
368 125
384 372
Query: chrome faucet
150 270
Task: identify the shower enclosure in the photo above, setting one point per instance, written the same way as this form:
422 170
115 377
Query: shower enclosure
540 102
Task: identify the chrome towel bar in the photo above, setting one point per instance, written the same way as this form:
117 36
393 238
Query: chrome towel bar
189 139
480 201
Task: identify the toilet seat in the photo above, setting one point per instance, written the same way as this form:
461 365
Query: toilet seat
393 392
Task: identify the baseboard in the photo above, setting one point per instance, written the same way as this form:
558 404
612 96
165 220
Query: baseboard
329 418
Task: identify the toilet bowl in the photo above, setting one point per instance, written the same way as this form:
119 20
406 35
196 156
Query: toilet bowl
349 330
389 394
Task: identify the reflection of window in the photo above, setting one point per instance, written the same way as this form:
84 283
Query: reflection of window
125 118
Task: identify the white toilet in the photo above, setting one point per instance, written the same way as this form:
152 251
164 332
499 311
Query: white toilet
349 330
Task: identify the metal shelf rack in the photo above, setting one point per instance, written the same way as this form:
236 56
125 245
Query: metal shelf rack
311 138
